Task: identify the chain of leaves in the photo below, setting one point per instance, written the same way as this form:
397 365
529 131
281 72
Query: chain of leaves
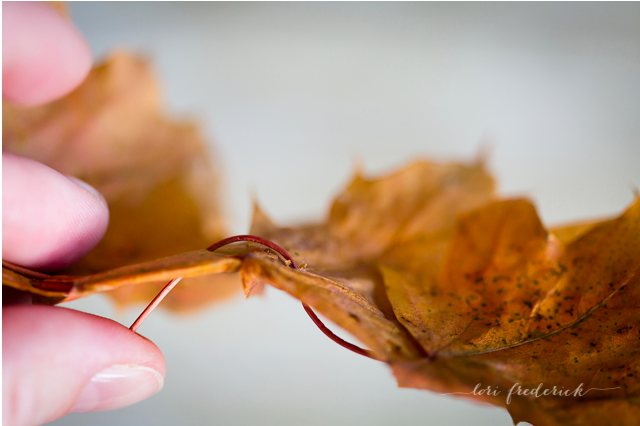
288 260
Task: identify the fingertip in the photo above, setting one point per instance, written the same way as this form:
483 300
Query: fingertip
49 221
43 54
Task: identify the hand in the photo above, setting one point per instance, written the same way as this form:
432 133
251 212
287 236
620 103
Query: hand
56 360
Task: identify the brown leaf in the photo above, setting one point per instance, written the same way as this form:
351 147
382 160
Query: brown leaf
494 301
155 174
562 316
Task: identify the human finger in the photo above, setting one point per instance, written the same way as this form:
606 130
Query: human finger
57 360
48 221
43 55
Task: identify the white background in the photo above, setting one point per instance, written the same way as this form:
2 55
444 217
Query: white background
293 95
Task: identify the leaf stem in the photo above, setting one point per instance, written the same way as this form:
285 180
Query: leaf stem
24 271
155 302
253 238
338 340
54 283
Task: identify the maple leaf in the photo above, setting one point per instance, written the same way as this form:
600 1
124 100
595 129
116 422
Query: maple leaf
538 311
154 173
492 300
452 287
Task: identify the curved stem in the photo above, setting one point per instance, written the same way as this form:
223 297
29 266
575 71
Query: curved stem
330 335
253 238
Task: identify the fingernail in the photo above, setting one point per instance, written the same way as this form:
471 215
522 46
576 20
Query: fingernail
118 386
88 187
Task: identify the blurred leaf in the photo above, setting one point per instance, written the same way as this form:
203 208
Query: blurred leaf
156 174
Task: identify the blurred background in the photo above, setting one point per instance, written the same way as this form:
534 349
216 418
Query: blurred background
293 96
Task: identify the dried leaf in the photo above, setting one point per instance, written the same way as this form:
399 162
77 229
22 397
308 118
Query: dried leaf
563 316
155 174
494 301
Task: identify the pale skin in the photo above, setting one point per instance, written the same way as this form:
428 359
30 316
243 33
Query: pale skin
50 354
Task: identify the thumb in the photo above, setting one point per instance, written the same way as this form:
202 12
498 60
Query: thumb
56 361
